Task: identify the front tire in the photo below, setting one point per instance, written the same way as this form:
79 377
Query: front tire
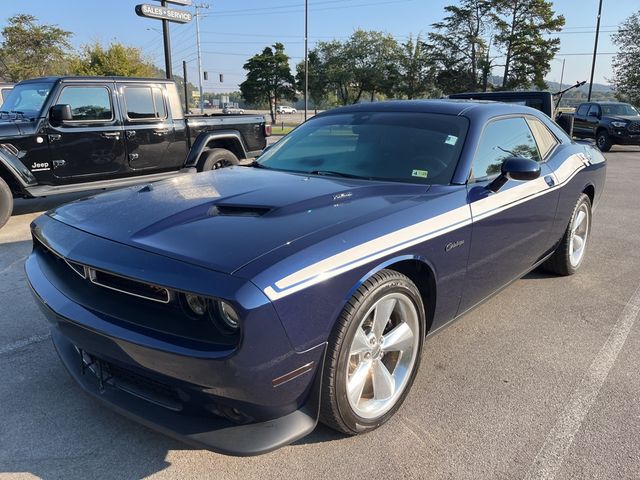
373 354
603 141
218 158
6 203
569 255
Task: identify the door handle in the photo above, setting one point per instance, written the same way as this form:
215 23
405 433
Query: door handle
115 135
161 131
54 137
131 134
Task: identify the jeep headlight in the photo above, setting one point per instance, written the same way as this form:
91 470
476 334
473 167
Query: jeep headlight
619 124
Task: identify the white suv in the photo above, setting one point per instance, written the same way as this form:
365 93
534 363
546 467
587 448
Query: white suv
285 109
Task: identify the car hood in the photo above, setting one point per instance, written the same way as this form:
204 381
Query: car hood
224 219
9 128
624 118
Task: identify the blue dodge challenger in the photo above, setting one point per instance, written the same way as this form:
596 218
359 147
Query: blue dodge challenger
234 309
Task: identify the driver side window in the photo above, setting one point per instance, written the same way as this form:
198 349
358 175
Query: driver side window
501 139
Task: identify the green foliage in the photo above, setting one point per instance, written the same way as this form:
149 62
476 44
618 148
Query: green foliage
521 25
29 49
366 63
626 64
269 78
459 46
114 60
319 91
416 70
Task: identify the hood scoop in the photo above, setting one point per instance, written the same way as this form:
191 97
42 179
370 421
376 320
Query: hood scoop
237 210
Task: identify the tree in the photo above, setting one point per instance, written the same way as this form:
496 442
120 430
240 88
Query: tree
269 78
366 63
626 63
29 49
416 70
318 84
115 60
522 25
459 47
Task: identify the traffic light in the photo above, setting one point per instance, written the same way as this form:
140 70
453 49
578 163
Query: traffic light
206 75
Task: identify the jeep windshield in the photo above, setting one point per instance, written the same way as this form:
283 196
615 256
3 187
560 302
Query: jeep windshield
389 146
623 109
26 99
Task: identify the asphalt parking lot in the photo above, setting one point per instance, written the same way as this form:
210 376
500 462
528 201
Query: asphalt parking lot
542 381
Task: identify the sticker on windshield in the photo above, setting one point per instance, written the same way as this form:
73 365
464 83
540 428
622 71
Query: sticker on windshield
420 173
451 140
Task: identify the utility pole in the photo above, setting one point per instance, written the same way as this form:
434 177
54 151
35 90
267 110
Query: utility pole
595 51
306 58
198 7
167 45
186 90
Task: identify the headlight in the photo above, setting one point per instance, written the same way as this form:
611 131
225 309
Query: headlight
228 315
619 124
196 305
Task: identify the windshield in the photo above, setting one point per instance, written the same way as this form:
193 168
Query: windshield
394 146
26 99
619 109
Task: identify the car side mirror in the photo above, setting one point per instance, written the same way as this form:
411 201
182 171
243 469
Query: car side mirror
60 113
593 114
515 168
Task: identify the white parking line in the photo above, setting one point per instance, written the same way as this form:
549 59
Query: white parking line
553 451
23 343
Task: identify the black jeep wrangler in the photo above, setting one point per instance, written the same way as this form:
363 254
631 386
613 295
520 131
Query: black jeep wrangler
71 134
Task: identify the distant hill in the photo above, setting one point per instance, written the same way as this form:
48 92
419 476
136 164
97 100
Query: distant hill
555 86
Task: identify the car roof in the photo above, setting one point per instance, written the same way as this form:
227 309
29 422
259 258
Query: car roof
98 79
442 106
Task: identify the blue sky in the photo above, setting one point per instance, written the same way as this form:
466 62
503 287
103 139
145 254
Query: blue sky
233 30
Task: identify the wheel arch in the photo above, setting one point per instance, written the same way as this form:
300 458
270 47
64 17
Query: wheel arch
229 139
590 191
419 270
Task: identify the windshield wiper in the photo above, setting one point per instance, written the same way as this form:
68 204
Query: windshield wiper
256 164
332 173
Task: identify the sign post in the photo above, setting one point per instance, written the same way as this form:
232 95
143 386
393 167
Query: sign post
166 15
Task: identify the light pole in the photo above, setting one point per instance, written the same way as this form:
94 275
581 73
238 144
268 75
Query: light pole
166 37
198 7
595 51
306 58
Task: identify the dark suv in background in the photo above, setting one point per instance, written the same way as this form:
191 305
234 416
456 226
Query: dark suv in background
609 123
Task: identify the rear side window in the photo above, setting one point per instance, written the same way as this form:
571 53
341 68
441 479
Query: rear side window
544 138
88 104
583 109
144 103
502 139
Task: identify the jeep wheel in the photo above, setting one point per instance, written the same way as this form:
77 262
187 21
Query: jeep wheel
218 158
603 141
6 202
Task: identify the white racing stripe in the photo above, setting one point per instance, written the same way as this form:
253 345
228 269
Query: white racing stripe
422 231
550 457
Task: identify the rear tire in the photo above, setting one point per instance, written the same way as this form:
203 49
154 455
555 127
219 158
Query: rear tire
569 255
603 141
373 354
6 203
217 158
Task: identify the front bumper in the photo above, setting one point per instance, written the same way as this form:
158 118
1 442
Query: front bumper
225 401
622 137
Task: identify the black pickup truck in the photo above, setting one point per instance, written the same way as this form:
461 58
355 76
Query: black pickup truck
70 134
609 123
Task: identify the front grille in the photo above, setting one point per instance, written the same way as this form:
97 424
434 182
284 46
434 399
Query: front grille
138 306
634 128
108 280
128 286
